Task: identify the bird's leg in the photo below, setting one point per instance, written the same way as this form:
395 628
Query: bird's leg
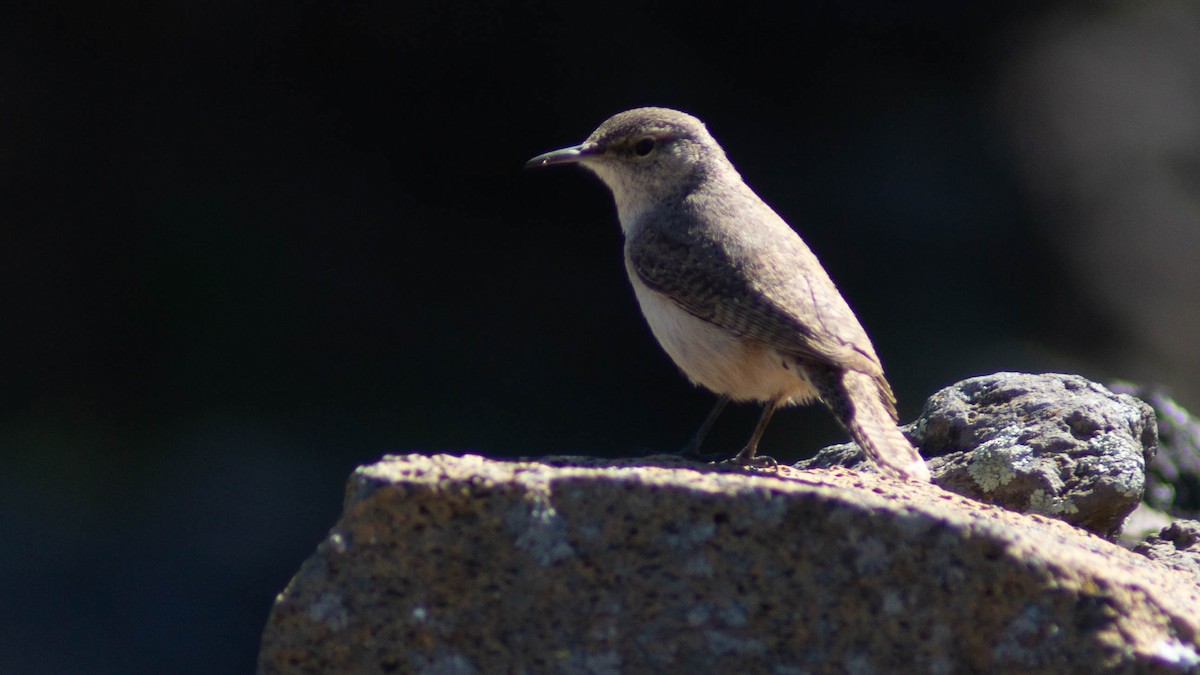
692 449
748 456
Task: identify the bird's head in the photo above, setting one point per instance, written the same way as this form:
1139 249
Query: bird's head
644 155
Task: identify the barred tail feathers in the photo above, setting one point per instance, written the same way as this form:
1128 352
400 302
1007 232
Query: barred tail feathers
863 405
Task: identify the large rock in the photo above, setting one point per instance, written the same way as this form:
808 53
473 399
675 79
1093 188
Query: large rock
1058 445
465 565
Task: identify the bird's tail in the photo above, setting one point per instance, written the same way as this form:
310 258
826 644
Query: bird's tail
864 406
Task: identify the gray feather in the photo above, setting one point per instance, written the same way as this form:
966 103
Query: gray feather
778 295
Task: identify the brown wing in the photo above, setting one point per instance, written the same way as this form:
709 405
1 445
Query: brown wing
774 297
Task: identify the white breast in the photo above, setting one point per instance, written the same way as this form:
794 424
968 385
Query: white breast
746 370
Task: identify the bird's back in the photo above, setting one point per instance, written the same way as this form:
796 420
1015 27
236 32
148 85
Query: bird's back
725 256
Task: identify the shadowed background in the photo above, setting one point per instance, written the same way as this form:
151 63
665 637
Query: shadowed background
247 247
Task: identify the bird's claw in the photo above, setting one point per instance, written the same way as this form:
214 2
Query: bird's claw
750 460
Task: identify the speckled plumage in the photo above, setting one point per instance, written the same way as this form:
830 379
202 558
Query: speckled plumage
730 291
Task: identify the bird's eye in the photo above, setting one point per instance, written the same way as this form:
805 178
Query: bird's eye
644 147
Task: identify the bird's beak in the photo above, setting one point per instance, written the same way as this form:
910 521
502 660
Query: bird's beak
571 155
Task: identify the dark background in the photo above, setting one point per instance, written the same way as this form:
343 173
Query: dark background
246 247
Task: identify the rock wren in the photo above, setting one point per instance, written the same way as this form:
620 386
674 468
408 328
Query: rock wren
730 291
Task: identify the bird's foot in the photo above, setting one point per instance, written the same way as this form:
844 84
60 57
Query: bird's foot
751 460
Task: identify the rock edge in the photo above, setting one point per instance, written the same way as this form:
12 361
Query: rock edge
450 564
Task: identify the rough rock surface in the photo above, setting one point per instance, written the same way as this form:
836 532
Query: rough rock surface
1173 478
1144 522
1177 546
465 565
1058 445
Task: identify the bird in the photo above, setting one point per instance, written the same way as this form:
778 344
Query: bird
731 292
